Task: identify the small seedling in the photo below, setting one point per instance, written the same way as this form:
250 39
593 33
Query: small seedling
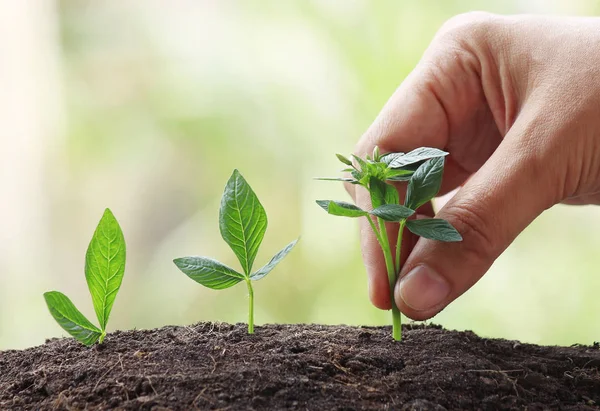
104 269
422 168
243 223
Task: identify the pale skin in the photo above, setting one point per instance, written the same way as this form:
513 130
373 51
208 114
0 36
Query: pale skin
516 102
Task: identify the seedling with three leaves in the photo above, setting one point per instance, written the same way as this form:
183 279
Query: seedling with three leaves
422 168
243 223
104 269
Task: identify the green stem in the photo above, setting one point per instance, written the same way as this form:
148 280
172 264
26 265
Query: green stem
392 277
250 307
101 339
399 247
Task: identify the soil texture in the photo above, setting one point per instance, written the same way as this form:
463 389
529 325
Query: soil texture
299 367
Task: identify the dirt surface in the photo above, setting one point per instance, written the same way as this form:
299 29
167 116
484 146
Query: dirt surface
219 366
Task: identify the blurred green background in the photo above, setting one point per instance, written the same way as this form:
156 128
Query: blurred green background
147 106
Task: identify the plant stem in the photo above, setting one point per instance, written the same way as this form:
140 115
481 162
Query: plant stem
399 247
392 277
250 307
101 339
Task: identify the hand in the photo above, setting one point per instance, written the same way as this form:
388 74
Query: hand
516 102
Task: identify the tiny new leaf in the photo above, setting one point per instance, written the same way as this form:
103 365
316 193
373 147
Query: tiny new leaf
208 272
424 183
105 265
341 208
242 220
344 159
71 319
392 212
400 174
434 229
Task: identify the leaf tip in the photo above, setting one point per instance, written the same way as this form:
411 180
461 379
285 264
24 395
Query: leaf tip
324 204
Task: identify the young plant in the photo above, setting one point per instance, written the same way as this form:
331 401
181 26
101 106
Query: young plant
243 223
422 168
104 269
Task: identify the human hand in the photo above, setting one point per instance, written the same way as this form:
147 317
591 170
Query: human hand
516 102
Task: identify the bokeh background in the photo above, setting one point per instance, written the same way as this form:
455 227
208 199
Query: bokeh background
146 107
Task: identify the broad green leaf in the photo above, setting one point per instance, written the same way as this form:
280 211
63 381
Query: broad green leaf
419 154
71 319
242 220
434 229
341 208
105 265
266 269
392 212
382 193
425 183
208 272
389 157
344 159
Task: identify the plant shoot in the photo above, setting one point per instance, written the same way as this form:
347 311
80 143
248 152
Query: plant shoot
422 168
243 223
104 270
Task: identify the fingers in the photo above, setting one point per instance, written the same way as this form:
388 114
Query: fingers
440 104
490 210
413 117
401 126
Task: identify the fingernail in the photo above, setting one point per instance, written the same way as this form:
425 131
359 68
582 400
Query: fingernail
422 288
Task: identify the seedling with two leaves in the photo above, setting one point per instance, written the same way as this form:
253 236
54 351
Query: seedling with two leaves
243 223
422 168
104 269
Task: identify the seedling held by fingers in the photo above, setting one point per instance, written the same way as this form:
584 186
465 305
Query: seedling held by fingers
104 269
243 223
422 168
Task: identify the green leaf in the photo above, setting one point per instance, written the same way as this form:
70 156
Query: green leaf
362 163
382 193
399 174
425 183
344 159
71 319
242 220
376 153
341 208
208 272
434 229
345 180
105 265
274 261
392 212
422 153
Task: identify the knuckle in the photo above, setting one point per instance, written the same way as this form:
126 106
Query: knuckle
474 25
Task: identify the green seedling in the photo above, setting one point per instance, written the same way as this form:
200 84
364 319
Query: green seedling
422 168
243 223
104 269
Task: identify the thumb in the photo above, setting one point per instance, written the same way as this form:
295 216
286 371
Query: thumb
506 194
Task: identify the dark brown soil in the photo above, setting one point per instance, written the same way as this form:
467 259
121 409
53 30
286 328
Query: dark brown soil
219 366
